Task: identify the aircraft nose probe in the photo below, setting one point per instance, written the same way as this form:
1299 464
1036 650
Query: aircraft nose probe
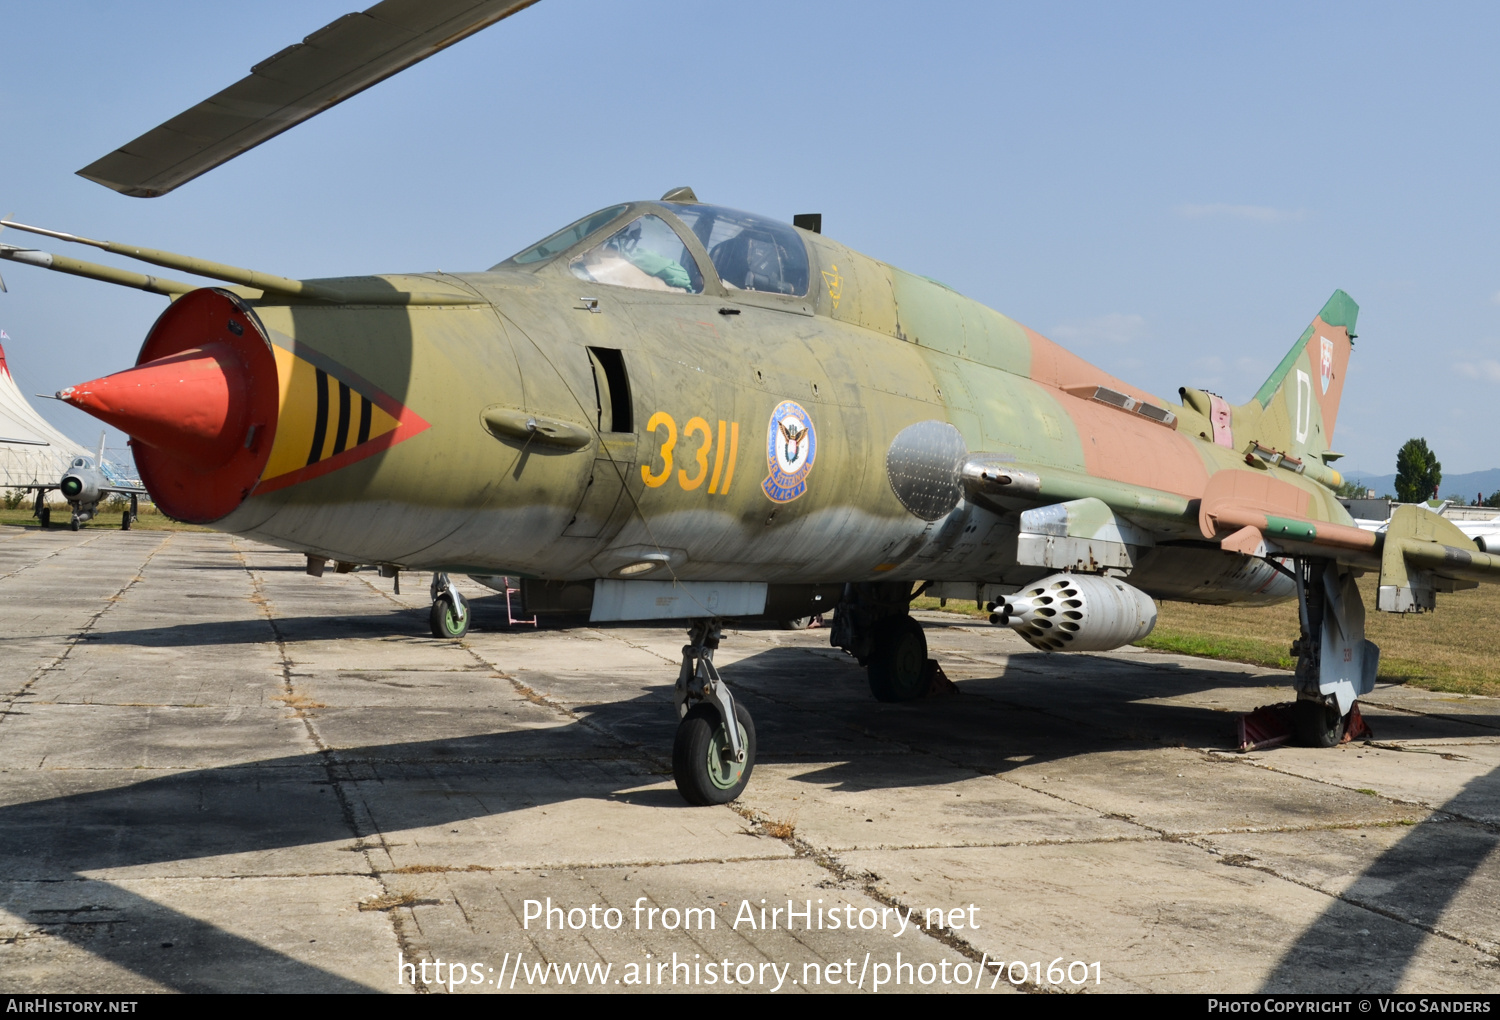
200 405
191 406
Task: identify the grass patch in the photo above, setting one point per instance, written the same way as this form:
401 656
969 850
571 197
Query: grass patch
782 828
297 701
394 900
149 519
959 607
1228 648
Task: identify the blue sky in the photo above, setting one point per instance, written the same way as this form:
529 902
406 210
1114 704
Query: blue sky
1171 190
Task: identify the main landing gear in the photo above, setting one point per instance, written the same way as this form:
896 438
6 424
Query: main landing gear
873 623
449 617
1335 664
711 759
127 517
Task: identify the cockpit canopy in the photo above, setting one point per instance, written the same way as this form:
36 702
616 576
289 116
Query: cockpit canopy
749 252
653 251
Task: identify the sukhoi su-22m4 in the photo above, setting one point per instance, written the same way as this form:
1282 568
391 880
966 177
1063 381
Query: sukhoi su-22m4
675 410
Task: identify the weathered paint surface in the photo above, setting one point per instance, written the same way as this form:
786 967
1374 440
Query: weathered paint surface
867 352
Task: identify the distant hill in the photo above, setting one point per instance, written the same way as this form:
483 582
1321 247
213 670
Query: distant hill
1467 485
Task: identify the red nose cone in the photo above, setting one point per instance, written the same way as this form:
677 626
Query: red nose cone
191 406
200 405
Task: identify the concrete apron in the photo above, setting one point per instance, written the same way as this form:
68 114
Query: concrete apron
220 774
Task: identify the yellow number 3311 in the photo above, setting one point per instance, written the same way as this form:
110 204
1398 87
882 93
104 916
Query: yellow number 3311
728 441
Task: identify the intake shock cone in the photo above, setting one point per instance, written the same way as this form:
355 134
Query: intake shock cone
200 406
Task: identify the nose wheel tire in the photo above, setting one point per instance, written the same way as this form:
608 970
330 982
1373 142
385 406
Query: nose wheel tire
73 524
445 621
701 764
1318 724
898 662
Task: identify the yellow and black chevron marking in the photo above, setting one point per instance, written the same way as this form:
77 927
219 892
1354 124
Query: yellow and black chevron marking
327 422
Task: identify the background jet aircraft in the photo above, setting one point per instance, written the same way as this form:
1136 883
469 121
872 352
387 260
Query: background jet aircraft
677 410
86 482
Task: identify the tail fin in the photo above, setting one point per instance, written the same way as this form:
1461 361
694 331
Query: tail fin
1298 404
99 460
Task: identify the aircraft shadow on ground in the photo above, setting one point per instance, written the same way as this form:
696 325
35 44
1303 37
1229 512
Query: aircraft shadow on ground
1423 873
809 706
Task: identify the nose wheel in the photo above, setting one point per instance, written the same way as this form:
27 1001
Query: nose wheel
711 759
449 616
703 763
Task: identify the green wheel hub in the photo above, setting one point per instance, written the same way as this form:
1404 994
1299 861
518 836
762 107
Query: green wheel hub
723 771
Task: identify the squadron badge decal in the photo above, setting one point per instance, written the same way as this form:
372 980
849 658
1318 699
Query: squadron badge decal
791 446
1327 367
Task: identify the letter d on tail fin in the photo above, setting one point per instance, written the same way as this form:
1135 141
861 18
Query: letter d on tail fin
1299 403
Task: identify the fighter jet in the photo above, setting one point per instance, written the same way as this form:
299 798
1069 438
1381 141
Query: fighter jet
85 484
32 450
674 409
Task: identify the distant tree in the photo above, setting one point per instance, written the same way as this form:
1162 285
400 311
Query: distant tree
1418 473
1456 499
1493 500
1352 488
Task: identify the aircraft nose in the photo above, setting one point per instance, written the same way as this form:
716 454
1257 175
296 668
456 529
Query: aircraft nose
192 406
200 405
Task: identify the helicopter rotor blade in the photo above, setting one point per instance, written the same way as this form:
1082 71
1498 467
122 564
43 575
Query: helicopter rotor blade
337 61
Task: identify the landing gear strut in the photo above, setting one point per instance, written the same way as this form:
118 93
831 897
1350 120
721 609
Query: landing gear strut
127 517
82 514
450 614
711 758
1335 664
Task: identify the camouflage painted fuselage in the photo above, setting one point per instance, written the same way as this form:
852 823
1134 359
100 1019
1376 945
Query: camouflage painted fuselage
401 465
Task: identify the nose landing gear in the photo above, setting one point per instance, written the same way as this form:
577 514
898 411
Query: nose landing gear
449 617
711 759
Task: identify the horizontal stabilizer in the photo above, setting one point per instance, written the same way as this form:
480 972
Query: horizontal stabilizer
1425 554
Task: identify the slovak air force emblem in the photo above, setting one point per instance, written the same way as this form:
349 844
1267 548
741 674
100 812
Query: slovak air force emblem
791 446
1326 368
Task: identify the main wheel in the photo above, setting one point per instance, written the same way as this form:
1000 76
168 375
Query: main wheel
1318 724
701 764
444 620
125 521
898 662
46 517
